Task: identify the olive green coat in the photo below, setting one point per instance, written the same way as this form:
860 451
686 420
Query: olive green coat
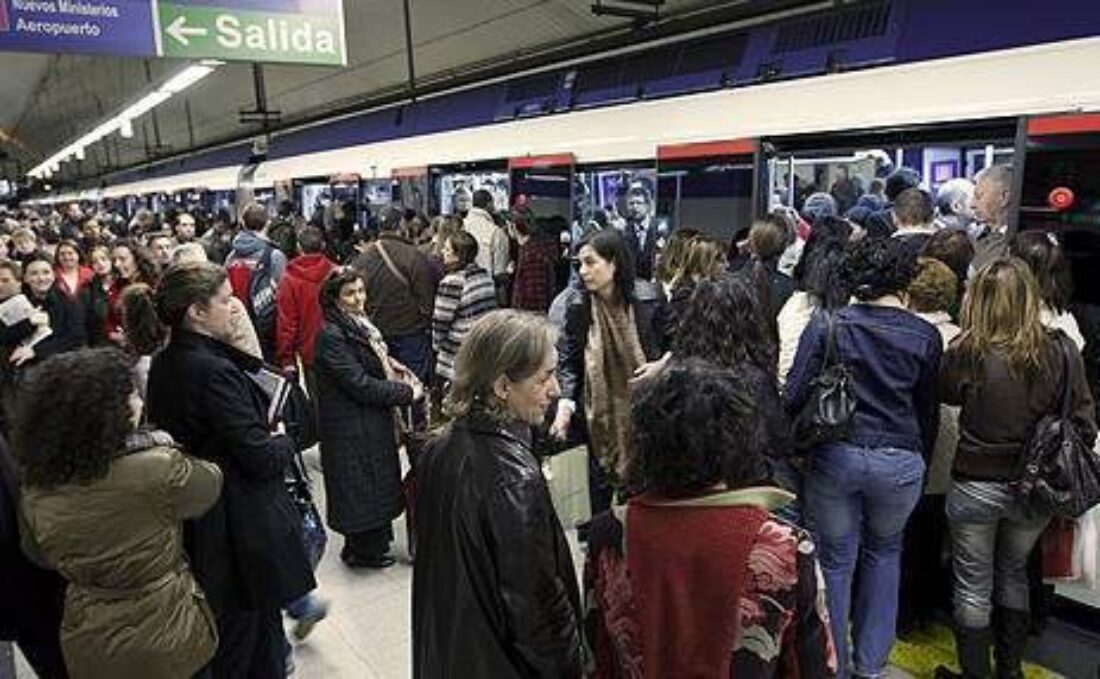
132 608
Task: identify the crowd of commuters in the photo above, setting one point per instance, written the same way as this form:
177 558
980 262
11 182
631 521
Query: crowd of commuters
151 525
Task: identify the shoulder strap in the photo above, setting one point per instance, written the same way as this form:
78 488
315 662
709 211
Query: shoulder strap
391 266
830 338
1067 372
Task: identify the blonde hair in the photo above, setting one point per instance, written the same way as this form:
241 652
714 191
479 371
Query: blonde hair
703 258
1001 312
506 342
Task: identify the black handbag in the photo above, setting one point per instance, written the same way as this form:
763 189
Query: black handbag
299 488
826 416
1061 473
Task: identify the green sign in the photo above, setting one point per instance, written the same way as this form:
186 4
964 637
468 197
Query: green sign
249 34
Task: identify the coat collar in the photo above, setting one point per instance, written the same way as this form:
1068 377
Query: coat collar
481 423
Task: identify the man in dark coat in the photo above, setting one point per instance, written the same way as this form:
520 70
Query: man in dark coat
247 551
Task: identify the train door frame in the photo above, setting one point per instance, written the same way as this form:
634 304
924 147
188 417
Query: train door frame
415 178
709 152
562 162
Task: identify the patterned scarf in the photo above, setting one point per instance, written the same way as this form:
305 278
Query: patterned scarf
614 352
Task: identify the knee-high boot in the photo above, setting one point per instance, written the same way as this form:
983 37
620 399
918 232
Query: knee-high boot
972 646
1010 628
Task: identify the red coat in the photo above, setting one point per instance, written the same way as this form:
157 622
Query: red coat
297 302
83 278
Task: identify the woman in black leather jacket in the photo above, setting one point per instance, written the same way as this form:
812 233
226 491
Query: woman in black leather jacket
629 320
494 589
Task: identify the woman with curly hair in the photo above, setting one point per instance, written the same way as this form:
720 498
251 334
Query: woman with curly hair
697 576
861 489
729 326
248 551
104 504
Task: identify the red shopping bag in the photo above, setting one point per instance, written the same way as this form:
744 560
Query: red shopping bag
1058 550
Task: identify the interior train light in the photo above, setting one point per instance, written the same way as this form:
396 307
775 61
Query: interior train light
1061 198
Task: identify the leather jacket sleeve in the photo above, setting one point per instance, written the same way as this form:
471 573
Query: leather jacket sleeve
537 605
571 345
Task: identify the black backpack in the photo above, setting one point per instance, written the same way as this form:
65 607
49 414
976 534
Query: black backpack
1060 473
826 416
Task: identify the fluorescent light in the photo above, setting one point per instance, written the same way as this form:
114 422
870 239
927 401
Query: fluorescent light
186 78
123 122
145 104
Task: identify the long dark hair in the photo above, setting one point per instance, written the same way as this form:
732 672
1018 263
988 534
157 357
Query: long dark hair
1044 256
610 245
147 269
725 322
148 315
819 270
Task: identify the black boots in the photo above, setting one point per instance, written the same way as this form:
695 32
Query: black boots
972 646
1010 636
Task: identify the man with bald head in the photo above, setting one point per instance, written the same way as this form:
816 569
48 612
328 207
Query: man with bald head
991 202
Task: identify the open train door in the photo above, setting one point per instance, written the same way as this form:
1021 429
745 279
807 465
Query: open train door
708 186
544 185
1060 193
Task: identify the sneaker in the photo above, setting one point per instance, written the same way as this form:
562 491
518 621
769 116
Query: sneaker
304 625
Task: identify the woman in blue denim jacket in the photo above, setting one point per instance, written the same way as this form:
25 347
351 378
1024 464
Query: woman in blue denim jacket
859 492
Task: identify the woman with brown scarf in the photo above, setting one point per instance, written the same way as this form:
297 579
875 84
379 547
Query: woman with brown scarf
613 329
359 389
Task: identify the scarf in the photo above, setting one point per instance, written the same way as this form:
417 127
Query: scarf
359 329
614 352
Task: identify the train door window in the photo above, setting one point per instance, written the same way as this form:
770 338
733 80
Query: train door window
1060 193
347 194
411 189
378 194
314 195
454 185
617 195
544 185
709 193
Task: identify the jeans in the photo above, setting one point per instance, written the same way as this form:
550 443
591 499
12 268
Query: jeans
303 606
992 535
415 351
857 502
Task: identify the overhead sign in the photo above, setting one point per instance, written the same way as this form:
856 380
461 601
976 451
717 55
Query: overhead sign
286 31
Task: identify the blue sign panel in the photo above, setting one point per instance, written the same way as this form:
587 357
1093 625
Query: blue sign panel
122 27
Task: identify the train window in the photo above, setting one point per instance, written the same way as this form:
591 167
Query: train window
617 196
849 175
711 195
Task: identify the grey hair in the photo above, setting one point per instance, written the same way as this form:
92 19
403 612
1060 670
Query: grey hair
1001 175
950 192
506 342
189 252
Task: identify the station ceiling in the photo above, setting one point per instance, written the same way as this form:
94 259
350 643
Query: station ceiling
50 100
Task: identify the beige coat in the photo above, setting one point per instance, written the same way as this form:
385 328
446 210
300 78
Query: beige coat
132 608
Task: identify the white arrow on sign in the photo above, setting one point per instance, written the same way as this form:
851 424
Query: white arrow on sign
180 31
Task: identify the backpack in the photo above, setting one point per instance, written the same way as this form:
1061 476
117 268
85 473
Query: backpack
1061 473
253 284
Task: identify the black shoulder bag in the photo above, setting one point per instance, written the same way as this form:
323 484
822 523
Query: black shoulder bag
826 416
1061 473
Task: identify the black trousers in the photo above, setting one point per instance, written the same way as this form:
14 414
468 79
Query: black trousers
251 644
926 575
369 543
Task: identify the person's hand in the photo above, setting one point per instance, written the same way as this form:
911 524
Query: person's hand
649 370
279 429
40 318
559 430
21 355
418 391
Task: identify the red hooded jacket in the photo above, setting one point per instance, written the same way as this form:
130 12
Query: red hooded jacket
299 318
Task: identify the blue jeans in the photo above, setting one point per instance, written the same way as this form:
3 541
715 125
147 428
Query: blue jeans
992 535
857 503
415 351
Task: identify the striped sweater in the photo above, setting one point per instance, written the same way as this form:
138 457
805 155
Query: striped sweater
462 298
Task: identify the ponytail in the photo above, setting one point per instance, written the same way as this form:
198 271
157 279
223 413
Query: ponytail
145 333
